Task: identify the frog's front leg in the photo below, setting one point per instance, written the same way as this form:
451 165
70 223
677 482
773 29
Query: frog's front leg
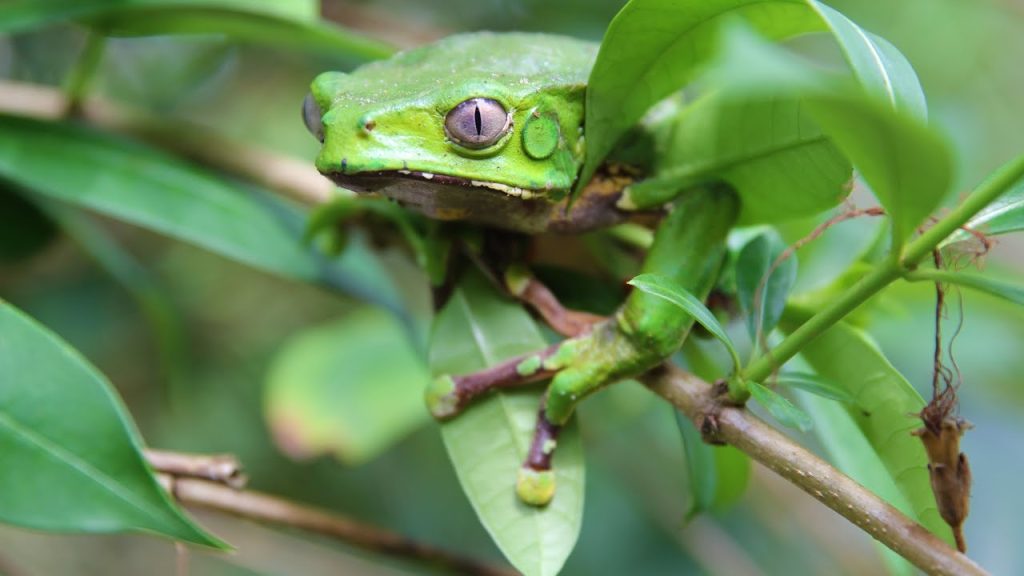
689 247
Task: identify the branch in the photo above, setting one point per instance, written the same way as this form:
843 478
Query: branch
271 509
220 468
738 427
290 177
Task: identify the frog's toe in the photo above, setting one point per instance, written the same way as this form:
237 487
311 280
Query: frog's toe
442 399
535 487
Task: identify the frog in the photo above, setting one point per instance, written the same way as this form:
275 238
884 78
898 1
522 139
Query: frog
488 129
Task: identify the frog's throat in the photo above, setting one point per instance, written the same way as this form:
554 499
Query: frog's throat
378 180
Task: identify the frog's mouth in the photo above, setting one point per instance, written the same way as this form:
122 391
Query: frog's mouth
409 182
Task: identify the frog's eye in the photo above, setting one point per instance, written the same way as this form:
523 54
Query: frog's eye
313 117
477 122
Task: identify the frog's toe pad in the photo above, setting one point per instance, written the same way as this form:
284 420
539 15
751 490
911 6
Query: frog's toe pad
535 487
442 400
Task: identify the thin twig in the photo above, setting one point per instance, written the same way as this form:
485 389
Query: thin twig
738 427
266 508
221 468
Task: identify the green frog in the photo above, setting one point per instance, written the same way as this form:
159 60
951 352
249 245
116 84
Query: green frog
488 128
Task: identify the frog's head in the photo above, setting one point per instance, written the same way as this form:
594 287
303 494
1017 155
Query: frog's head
460 127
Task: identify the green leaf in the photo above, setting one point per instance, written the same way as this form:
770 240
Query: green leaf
816 385
293 23
665 288
878 66
72 457
781 409
752 266
850 451
137 184
353 387
312 36
489 442
885 412
668 42
906 163
718 475
768 149
1011 291
878 126
655 47
1000 217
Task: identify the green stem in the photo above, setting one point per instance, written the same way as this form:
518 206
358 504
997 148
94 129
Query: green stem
84 71
988 191
933 275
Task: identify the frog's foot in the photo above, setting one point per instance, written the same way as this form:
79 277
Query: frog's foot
535 484
448 395
567 322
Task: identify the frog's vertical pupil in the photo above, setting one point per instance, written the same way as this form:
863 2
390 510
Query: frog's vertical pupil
477 123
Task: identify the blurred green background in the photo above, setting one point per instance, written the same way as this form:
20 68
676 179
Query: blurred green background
235 319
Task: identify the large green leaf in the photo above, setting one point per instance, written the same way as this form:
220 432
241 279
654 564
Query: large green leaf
906 164
489 442
131 182
18 15
878 66
752 266
71 456
667 44
884 413
352 387
293 23
768 149
654 47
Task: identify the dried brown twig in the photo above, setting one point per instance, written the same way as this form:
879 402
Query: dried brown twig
207 482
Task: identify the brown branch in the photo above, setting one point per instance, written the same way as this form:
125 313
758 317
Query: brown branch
271 509
290 177
738 427
220 468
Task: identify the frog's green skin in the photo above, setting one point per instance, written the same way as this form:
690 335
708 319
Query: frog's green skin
383 130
